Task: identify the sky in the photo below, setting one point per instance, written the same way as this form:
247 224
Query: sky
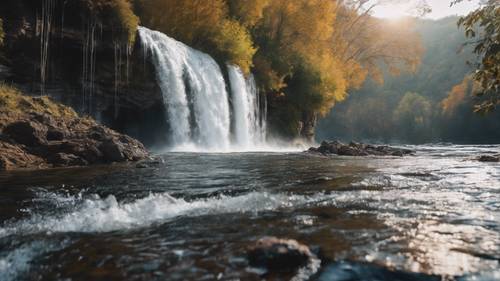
440 9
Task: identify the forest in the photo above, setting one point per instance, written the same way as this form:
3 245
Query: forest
434 104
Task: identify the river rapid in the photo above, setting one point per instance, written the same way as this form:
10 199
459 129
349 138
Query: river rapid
191 216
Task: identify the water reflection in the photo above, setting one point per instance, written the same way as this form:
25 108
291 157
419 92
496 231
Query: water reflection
428 217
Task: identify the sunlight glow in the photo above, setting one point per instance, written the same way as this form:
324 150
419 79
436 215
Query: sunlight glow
392 11
440 9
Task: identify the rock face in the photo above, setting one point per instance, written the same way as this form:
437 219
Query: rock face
358 149
279 255
39 140
121 92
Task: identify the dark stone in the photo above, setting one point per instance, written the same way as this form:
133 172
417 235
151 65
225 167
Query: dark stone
55 134
489 158
64 160
112 151
279 255
358 149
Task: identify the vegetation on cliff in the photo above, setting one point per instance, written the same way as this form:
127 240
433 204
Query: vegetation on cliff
117 14
13 102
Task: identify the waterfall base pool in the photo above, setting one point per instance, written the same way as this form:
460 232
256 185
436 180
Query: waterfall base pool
433 216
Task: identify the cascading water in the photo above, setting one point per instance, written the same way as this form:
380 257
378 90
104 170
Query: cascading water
249 123
196 100
200 117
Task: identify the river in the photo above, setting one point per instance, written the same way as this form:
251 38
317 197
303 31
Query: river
191 216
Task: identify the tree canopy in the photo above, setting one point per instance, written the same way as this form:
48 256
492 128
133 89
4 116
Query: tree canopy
483 27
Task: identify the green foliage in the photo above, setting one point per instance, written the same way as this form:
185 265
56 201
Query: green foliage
486 43
413 115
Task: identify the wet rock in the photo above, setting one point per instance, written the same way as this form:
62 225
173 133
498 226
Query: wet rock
279 255
358 149
489 158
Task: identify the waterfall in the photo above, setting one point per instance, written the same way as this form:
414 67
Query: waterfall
249 123
48 7
196 100
193 90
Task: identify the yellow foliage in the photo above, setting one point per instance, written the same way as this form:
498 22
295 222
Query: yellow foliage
117 13
459 94
248 12
235 43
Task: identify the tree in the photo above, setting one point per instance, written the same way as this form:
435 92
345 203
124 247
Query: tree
247 12
202 24
366 44
483 27
413 114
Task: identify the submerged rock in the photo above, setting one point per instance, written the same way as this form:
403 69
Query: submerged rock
279 255
358 149
489 158
60 138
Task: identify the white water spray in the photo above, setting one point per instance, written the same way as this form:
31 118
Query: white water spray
249 123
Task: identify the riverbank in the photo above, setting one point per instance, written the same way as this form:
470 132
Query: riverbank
38 133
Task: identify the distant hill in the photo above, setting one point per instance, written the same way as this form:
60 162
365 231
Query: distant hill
408 108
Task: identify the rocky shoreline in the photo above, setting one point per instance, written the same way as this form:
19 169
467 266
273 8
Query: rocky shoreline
358 149
36 133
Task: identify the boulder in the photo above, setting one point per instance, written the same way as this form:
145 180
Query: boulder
41 140
279 255
112 150
358 149
489 158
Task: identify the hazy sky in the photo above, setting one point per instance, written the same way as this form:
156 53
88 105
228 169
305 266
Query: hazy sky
440 9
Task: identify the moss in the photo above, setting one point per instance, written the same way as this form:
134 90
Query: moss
13 102
126 18
117 14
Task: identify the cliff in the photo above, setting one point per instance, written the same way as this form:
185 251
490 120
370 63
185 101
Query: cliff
83 54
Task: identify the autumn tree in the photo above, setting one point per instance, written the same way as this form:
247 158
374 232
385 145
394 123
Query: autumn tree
296 63
482 26
203 24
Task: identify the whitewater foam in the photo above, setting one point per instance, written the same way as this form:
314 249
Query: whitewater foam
98 214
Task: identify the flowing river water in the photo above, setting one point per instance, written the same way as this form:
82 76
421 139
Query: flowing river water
433 216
